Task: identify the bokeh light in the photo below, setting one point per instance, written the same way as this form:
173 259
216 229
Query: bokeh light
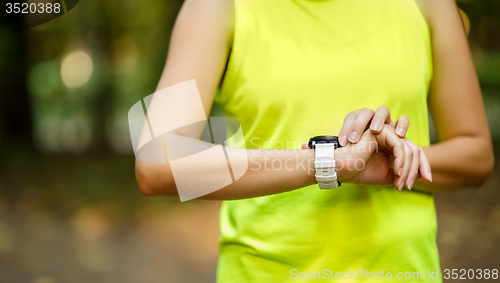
76 69
122 55
75 135
47 133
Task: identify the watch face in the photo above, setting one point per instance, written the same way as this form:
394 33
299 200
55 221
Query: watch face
324 139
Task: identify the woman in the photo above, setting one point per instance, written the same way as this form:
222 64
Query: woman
292 69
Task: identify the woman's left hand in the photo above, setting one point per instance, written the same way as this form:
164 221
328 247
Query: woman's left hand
357 121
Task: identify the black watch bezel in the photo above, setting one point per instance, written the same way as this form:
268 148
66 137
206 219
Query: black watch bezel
324 139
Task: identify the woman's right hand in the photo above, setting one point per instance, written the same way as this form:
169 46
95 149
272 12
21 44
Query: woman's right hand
382 159
358 120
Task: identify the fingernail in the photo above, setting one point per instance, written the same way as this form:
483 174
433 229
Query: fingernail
430 176
375 126
410 185
343 140
401 186
400 171
353 137
400 131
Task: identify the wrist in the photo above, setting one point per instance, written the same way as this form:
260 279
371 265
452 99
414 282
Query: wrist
341 159
311 179
351 159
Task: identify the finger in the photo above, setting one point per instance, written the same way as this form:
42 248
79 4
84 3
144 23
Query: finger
305 145
425 167
346 127
415 164
359 125
390 122
382 116
402 125
407 166
396 146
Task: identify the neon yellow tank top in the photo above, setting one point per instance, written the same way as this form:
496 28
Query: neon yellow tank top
297 68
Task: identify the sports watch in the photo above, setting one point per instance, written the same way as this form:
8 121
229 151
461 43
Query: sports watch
324 160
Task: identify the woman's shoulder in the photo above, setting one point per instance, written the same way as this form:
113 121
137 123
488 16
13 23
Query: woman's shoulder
202 17
226 6
215 9
435 12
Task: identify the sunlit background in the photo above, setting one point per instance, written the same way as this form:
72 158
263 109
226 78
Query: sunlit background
70 210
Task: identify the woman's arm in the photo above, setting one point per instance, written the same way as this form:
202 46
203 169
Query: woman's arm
199 49
273 171
464 155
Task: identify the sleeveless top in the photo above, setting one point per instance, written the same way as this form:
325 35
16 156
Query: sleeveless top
297 68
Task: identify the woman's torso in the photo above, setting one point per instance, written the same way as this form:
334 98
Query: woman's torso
297 68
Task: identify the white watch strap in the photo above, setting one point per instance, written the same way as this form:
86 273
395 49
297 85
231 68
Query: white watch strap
324 163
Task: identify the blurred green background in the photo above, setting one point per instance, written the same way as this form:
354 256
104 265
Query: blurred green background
70 210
